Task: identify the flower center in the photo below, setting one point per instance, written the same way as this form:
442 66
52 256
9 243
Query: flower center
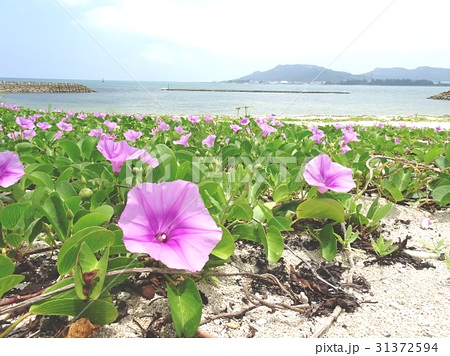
161 237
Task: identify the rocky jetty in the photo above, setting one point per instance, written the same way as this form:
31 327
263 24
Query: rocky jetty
442 96
42 87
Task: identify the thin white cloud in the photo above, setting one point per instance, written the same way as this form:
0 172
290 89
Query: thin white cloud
352 35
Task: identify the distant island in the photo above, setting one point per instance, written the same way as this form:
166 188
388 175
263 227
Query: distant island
312 74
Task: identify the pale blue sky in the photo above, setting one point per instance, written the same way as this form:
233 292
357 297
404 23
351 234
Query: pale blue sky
209 40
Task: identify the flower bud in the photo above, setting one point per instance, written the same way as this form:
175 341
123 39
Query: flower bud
86 193
69 215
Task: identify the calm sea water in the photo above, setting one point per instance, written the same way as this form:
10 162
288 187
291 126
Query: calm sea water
148 98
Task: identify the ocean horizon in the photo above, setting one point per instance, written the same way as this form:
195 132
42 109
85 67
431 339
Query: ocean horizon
148 97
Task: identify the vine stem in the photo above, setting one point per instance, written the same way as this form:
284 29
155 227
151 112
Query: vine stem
13 325
41 297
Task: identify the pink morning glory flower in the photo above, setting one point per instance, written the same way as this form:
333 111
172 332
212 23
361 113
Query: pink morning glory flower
169 222
11 169
207 118
58 136
162 126
179 130
64 126
349 135
266 129
95 132
24 123
132 135
325 174
235 127
193 119
118 153
149 159
425 223
43 125
183 140
28 134
100 114
110 125
82 116
209 141
318 134
14 135
244 121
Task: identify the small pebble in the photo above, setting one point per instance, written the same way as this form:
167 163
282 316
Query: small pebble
233 325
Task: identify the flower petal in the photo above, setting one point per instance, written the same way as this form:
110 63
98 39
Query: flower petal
177 210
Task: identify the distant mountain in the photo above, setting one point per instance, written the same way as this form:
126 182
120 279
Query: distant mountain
298 73
306 73
427 73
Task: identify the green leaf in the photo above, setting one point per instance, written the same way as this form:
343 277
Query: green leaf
441 195
11 214
378 212
9 282
71 149
281 193
275 244
225 247
6 266
89 273
96 237
281 223
263 211
166 171
272 241
14 239
41 179
98 311
393 190
245 232
327 241
65 189
87 147
240 210
97 217
55 212
321 208
432 154
401 179
185 306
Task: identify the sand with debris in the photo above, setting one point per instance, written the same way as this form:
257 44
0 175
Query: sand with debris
402 302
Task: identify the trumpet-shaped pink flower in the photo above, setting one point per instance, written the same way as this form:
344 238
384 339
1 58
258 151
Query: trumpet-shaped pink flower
110 125
11 169
193 119
25 123
325 174
209 141
64 126
118 153
235 127
44 126
318 134
266 128
183 140
132 135
169 222
162 126
149 159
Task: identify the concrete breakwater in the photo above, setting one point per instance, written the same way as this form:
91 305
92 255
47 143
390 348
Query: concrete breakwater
442 96
42 87
257 91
